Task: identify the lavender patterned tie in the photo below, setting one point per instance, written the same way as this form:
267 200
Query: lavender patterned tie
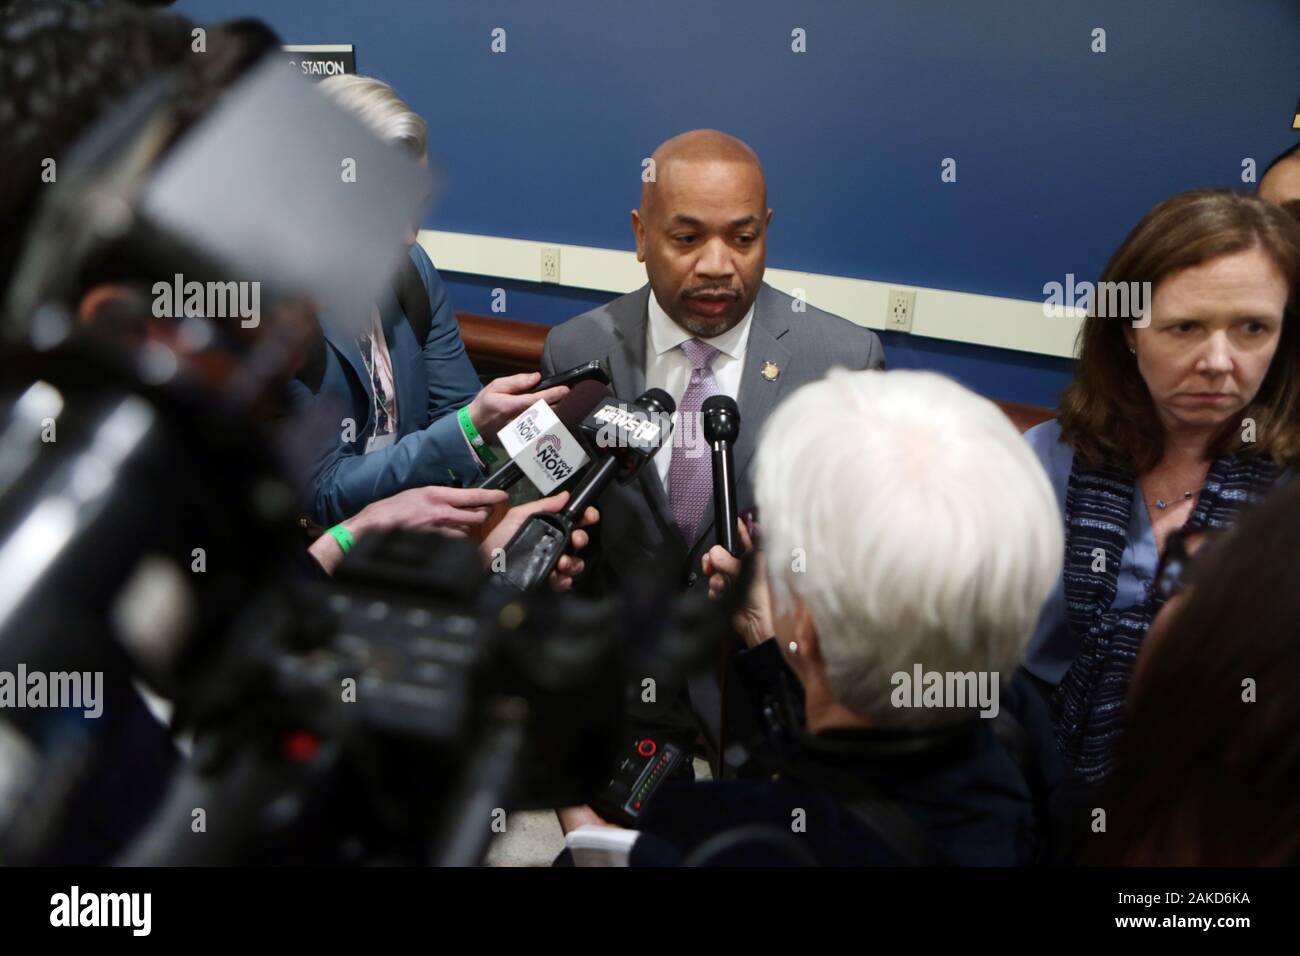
690 473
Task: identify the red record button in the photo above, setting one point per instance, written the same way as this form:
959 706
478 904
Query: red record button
646 748
300 745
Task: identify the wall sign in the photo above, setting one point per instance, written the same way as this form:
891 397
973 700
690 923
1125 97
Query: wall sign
319 60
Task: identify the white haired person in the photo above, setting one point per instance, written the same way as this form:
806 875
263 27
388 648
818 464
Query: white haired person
909 538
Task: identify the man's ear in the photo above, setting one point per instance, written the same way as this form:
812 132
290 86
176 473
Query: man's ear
768 221
638 232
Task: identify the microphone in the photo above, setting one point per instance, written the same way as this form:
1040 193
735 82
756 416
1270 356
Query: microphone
629 435
721 429
541 443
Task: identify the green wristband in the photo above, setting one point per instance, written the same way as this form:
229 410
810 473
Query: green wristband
344 537
475 439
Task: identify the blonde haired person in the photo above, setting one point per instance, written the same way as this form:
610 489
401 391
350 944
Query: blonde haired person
374 103
401 376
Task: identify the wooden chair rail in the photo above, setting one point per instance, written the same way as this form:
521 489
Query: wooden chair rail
502 343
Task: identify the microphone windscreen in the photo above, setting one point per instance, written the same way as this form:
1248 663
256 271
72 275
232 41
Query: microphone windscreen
721 403
657 399
721 417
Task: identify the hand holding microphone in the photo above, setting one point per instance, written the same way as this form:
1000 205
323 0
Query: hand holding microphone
753 620
502 399
724 562
721 427
570 564
625 438
542 446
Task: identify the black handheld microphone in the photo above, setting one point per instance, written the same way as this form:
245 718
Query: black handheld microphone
721 429
570 410
629 436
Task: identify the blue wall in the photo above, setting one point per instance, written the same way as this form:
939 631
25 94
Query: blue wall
1059 150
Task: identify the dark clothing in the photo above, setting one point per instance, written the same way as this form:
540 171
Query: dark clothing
132 760
306 568
1088 708
966 795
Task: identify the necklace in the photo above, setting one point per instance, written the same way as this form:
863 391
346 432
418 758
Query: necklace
1162 504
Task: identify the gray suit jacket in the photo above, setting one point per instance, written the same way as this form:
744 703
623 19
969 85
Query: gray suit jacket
636 520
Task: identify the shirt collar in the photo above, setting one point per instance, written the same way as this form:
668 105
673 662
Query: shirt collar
666 335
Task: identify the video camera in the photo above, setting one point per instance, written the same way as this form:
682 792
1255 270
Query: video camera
391 715
397 713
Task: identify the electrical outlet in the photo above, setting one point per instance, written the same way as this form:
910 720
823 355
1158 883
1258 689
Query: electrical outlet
550 263
901 306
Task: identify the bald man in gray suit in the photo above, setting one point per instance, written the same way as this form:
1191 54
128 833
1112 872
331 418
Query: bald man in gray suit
705 324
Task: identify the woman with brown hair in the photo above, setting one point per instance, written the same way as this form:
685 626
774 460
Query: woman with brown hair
1180 411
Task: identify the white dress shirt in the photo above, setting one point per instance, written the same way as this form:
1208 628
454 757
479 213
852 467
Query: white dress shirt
668 368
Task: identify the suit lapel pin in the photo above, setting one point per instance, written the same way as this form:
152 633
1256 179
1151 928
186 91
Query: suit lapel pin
771 370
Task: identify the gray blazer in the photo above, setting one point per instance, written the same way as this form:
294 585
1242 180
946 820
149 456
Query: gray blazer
636 523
